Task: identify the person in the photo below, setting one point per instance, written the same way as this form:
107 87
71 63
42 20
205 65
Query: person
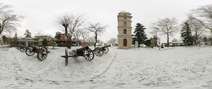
80 51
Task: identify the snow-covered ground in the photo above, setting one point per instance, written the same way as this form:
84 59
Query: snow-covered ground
144 68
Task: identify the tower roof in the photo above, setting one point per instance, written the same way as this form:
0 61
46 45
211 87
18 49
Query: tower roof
124 13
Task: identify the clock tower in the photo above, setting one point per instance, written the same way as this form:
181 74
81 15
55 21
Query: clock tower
124 30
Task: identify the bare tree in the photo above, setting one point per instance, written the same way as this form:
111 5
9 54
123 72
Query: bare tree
166 26
155 31
64 21
197 26
77 23
112 41
81 34
205 12
71 24
77 34
91 40
84 34
8 20
97 29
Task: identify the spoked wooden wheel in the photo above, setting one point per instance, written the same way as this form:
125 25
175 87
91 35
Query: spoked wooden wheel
42 54
29 51
89 55
106 50
22 49
98 52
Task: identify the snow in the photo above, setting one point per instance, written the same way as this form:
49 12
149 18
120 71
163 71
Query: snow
143 68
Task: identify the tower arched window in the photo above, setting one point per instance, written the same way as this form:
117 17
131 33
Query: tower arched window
125 42
125 31
125 23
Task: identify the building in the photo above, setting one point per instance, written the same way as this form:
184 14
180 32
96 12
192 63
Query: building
124 30
61 40
36 41
25 42
40 39
1 41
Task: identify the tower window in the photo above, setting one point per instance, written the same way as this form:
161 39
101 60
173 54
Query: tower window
125 42
125 23
125 31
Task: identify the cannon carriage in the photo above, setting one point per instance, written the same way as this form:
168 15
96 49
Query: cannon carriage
42 52
100 51
85 52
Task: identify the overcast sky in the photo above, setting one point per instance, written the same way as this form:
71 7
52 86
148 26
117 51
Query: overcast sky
41 15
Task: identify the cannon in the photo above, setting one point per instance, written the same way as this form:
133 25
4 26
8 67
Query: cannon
85 52
42 52
100 51
22 48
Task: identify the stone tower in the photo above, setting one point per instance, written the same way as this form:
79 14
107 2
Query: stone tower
124 30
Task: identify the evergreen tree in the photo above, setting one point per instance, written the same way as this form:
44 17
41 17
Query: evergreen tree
4 39
140 35
133 41
187 35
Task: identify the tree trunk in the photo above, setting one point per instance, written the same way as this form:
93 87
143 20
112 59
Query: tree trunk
67 37
167 39
96 39
138 44
69 41
196 38
66 31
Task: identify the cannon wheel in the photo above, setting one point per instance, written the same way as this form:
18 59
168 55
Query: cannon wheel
29 51
42 54
106 50
98 52
88 54
22 49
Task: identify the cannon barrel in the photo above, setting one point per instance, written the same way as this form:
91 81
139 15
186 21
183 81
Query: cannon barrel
107 46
